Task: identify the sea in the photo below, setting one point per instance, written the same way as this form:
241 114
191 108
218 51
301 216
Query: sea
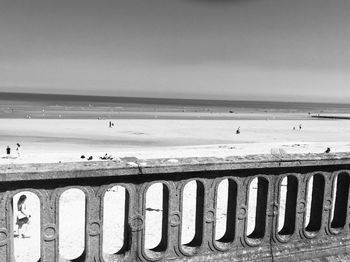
55 106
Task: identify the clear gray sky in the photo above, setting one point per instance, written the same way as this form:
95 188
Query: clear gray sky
293 50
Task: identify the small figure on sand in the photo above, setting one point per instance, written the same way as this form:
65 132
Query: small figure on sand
328 150
23 217
299 127
111 124
293 127
8 151
238 131
106 157
18 150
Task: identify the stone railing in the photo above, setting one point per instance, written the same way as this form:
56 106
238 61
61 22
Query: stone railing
324 234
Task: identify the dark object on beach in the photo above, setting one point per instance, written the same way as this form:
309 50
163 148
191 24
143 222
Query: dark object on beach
238 131
8 150
327 150
300 127
293 127
231 111
90 158
106 157
82 157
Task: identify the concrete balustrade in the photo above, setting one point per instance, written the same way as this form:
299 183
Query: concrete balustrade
301 209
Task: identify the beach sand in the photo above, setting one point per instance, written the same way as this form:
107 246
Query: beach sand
55 140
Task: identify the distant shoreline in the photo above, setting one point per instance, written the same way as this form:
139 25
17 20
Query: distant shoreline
167 101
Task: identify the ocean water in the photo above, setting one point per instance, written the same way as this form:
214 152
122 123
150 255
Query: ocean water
29 105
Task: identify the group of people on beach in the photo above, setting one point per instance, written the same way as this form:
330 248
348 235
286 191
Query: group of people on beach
18 150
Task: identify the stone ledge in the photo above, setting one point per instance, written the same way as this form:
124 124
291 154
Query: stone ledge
47 171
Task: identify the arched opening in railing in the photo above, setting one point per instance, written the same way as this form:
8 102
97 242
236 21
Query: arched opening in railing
287 205
115 219
72 204
257 207
226 203
26 225
156 219
314 208
192 214
340 200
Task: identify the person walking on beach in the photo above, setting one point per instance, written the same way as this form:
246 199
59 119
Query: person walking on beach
299 127
23 217
18 150
8 151
238 131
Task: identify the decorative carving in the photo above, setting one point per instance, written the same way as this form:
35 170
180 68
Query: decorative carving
175 219
210 217
50 232
137 223
242 212
94 228
274 211
328 204
301 207
3 237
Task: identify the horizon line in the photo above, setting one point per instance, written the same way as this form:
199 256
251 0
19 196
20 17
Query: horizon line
106 98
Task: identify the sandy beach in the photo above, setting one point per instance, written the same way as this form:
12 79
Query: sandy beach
62 140
55 140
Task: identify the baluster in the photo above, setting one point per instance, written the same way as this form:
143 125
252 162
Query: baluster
5 227
209 216
327 204
93 245
49 216
271 208
49 231
301 204
276 196
136 221
242 207
174 219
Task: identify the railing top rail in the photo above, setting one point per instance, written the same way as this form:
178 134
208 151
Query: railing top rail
133 166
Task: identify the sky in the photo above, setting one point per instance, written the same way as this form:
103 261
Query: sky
207 49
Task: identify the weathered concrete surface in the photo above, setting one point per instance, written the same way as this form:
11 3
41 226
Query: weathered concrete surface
138 166
325 237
